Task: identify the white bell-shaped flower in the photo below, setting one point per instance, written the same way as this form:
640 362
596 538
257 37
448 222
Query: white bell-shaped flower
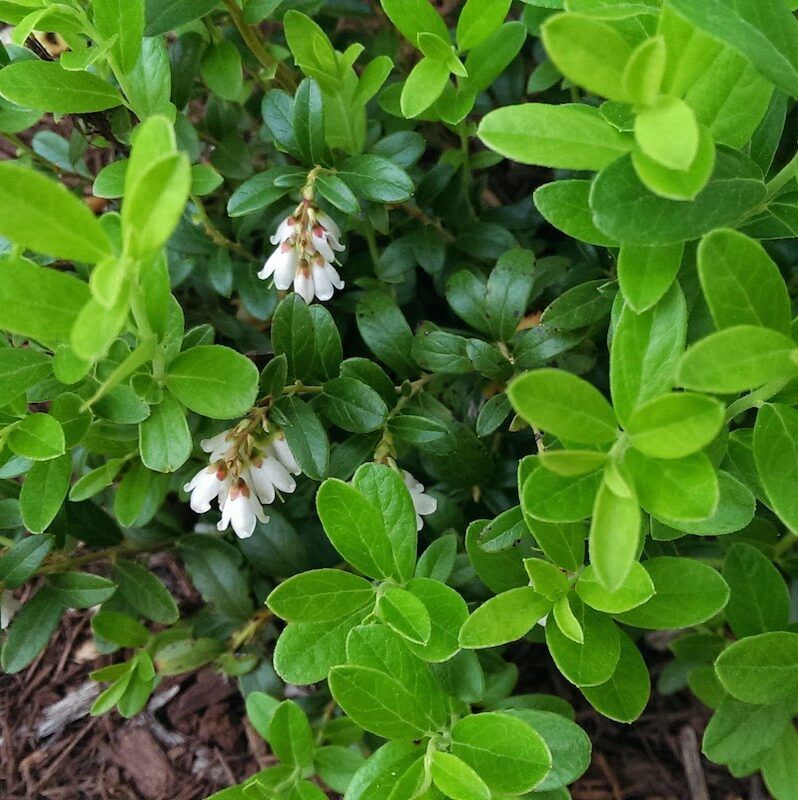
424 504
218 445
272 470
9 605
211 483
241 510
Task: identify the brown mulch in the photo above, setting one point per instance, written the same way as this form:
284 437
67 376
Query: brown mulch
193 740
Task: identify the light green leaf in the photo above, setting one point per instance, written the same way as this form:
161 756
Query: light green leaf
741 283
214 381
564 405
686 593
504 618
38 436
568 136
646 273
504 751
43 491
667 131
634 591
423 86
675 425
164 438
405 614
320 595
776 457
737 359
588 52
42 215
614 537
456 779
46 86
761 669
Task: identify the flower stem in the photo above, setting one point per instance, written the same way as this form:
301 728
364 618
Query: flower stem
755 399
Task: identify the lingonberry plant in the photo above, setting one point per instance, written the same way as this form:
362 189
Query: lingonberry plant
278 297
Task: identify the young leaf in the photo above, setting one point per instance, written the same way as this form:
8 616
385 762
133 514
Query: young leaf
42 215
290 736
564 405
320 595
504 618
614 537
38 437
405 614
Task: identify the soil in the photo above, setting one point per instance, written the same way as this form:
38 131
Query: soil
194 739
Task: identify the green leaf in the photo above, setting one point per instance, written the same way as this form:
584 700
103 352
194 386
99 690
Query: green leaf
376 179
741 731
46 86
594 660
737 359
686 593
761 669
292 335
38 436
214 381
507 293
354 406
355 528
614 537
779 766
43 491
31 630
565 205
504 618
167 15
336 192
667 131
676 488
447 612
308 121
741 283
215 569
626 211
564 405
413 17
379 703
675 425
384 488
766 34
646 273
256 193
776 458
456 779
386 332
644 71
305 436
320 595
144 592
645 352
424 85
290 736
568 136
42 215
119 629
20 369
306 651
553 498
154 201
634 591
125 20
759 601
164 438
478 20
22 559
221 70
80 589
504 751
678 184
588 52
405 614
625 695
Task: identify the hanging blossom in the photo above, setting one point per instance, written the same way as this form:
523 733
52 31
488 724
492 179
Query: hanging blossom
423 503
306 241
249 465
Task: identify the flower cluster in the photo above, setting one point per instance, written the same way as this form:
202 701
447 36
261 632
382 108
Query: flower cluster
245 473
304 256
